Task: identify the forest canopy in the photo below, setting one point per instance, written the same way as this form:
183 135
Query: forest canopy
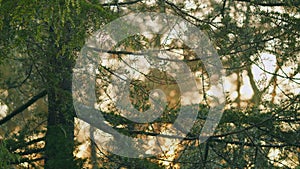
257 43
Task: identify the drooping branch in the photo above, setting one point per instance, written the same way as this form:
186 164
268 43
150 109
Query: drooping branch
250 144
23 107
23 160
272 4
186 15
20 145
32 151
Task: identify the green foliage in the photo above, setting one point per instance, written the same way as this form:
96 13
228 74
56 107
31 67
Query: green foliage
7 158
43 39
129 163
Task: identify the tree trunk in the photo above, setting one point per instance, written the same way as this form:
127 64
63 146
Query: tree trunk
59 146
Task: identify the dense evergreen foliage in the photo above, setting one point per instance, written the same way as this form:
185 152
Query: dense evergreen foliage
41 40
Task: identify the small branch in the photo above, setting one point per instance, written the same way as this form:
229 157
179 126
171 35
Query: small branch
250 144
183 13
17 146
271 4
23 160
23 81
121 3
23 107
223 9
31 151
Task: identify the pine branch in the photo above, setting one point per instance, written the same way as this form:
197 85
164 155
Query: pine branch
272 4
23 107
121 3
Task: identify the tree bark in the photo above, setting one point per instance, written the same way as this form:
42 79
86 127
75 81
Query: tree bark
59 146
